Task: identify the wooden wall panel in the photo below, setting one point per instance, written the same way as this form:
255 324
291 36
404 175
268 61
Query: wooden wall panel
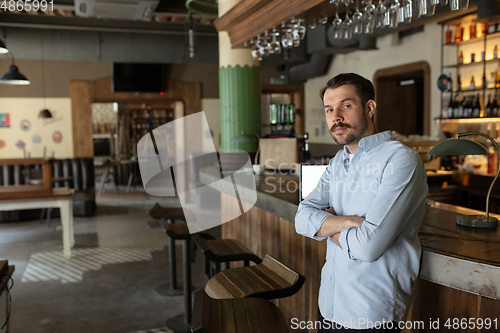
265 233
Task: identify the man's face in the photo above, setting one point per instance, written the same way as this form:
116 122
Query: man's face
346 117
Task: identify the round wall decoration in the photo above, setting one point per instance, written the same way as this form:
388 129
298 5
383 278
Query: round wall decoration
57 137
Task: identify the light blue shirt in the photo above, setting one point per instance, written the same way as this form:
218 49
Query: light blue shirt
370 278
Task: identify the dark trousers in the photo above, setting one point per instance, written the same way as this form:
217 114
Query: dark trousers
332 327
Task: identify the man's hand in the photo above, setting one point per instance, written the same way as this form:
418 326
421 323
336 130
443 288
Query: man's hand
356 222
330 210
334 224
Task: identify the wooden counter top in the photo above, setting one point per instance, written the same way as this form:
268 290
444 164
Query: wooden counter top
459 257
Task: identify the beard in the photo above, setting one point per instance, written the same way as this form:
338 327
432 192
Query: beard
354 135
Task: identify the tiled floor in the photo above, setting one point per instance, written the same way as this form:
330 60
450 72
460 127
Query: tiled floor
108 285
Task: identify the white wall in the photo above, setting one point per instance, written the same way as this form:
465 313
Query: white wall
21 109
423 46
211 106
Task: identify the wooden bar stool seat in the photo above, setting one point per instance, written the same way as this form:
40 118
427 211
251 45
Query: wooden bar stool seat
223 251
168 213
246 315
269 279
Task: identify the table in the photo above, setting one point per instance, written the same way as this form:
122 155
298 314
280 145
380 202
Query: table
107 164
61 197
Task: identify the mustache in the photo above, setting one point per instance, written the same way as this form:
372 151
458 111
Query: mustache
337 125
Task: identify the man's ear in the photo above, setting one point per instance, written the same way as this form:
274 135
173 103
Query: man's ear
371 106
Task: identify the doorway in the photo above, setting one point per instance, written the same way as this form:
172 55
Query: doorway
403 99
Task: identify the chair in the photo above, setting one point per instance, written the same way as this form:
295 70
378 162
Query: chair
223 251
253 315
269 280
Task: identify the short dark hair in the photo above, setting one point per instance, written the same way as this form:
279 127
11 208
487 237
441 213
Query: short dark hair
364 87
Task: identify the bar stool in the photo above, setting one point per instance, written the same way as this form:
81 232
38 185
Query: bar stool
269 280
170 214
223 251
244 315
182 323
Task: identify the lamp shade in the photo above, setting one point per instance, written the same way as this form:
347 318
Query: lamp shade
45 113
3 48
458 147
14 77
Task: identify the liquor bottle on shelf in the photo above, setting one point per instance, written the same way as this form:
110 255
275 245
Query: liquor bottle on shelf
273 114
494 107
491 83
492 28
291 114
497 79
472 57
472 30
468 107
450 108
460 106
449 84
476 109
483 55
483 29
461 58
459 83
495 52
449 33
456 106
459 34
472 85
489 109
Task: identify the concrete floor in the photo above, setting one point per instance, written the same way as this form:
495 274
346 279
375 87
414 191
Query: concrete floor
117 297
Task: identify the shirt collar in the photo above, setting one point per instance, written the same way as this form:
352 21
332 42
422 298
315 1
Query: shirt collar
369 142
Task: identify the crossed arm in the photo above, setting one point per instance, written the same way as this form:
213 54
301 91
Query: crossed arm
333 225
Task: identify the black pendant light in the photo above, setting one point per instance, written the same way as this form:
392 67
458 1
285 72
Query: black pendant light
3 48
14 77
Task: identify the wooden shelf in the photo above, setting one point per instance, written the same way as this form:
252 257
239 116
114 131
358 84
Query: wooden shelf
475 40
472 63
469 120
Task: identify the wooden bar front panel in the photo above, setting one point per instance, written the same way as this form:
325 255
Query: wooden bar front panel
265 233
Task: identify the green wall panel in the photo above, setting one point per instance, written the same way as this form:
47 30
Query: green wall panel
239 91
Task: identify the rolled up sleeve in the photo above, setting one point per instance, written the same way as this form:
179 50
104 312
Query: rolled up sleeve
310 214
403 188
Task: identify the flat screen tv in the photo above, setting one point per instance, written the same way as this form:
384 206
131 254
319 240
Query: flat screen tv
140 77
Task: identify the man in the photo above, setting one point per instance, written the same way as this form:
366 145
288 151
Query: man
369 205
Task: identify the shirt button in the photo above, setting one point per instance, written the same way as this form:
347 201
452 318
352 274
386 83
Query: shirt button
366 149
333 254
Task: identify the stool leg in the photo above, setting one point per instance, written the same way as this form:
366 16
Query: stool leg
171 264
170 288
186 255
226 265
217 267
207 268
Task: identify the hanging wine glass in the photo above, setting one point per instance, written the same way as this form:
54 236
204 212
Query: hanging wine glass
337 24
369 18
265 44
408 10
426 8
323 20
401 14
357 20
459 4
380 15
301 28
347 25
286 36
394 14
275 44
256 55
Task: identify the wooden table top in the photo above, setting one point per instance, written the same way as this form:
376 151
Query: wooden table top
58 193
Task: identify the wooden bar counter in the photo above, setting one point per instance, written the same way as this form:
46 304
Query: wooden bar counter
460 267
